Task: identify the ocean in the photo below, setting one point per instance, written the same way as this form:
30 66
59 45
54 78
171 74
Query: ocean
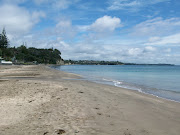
161 81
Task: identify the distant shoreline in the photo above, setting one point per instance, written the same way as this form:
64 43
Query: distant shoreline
93 62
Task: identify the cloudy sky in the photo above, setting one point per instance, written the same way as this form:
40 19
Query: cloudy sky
141 31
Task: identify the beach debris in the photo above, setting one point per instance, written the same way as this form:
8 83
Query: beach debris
19 105
127 132
53 96
112 124
60 131
99 113
76 131
96 108
64 89
30 101
47 112
80 92
45 133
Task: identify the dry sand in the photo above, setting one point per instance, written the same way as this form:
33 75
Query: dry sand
37 100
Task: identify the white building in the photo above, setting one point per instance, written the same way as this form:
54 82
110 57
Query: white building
3 62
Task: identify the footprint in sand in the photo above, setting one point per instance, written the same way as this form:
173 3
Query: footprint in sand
80 92
127 132
99 113
60 131
45 133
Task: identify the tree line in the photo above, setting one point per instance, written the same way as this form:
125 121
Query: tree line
22 54
93 62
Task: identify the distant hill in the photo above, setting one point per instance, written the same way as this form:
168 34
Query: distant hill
93 62
24 55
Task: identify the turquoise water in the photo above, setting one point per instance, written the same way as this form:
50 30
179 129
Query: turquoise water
161 81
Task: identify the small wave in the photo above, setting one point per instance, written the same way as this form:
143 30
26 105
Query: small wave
117 83
109 80
122 84
146 90
126 86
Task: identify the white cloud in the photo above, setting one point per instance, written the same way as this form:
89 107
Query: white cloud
62 4
134 51
83 28
167 40
153 39
103 24
149 49
157 27
38 2
64 23
37 15
106 24
117 52
168 50
17 20
131 5
123 4
94 51
13 1
65 29
58 4
101 28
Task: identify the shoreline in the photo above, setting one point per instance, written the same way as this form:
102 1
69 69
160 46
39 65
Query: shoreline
131 89
41 100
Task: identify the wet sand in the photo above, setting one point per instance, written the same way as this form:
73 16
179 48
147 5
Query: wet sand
37 100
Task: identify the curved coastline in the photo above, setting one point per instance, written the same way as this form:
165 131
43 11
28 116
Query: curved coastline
38 96
113 83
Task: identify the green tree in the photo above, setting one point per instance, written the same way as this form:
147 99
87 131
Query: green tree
0 52
4 42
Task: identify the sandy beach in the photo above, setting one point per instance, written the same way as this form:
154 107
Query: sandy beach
38 100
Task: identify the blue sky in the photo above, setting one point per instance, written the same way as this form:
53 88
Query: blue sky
140 31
